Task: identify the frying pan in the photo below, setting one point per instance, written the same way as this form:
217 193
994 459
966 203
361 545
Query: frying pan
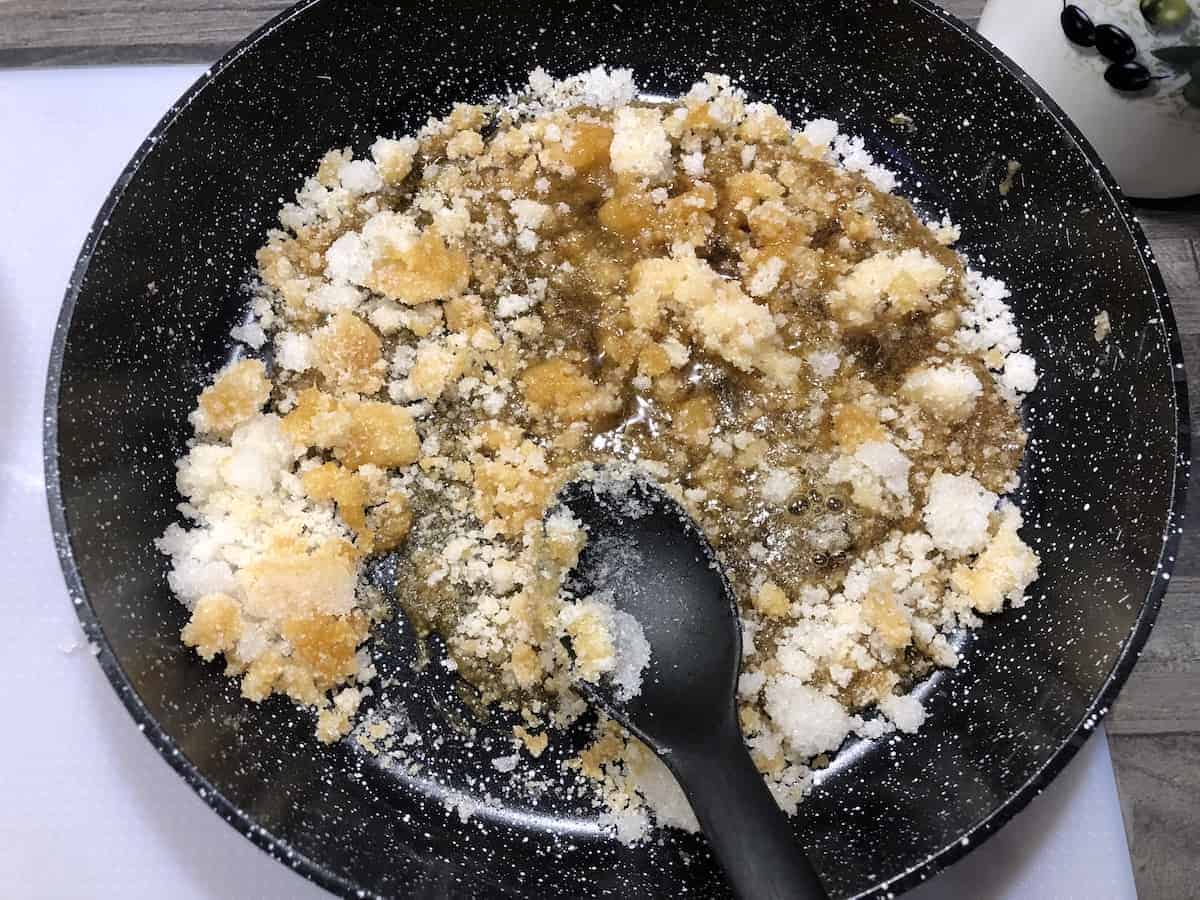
160 281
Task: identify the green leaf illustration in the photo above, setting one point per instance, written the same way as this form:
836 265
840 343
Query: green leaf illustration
1191 92
1181 55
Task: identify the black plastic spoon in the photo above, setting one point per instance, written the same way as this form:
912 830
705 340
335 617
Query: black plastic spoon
649 554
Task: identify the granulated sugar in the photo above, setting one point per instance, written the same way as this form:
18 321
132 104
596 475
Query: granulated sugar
534 289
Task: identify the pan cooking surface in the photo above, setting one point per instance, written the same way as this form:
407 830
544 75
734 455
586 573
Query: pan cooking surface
159 284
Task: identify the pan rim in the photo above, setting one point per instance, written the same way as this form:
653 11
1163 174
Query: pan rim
922 871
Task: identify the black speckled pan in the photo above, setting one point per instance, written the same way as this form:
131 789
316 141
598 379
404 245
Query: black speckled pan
157 288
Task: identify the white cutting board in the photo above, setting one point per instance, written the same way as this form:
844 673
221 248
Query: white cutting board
88 808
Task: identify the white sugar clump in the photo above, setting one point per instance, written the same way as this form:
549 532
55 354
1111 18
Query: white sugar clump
693 164
294 351
987 321
778 486
506 763
332 298
946 392
854 158
662 792
394 158
886 286
989 329
812 722
598 87
633 655
957 512
608 643
750 683
820 132
511 305
528 214
824 363
360 176
904 710
945 231
628 824
348 259
261 454
766 277
251 334
1020 373
640 145
887 463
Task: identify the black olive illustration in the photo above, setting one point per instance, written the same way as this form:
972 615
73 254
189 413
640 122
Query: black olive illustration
1127 76
1115 43
1077 26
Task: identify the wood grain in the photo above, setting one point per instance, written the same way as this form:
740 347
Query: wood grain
1178 261
1163 694
1158 703
74 32
1182 220
967 10
1159 783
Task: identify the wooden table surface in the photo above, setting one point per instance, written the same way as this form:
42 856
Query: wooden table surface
1154 729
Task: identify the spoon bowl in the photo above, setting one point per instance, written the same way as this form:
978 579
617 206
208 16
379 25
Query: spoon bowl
646 554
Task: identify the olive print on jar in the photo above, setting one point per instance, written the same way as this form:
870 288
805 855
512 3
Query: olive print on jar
1125 73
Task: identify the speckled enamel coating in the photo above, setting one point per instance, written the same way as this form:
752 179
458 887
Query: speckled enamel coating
159 283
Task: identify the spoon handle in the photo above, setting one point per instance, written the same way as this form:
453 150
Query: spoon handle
750 836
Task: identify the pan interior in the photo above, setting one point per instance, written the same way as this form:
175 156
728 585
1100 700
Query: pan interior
160 286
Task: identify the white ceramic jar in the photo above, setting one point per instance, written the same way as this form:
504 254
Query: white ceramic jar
1149 138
